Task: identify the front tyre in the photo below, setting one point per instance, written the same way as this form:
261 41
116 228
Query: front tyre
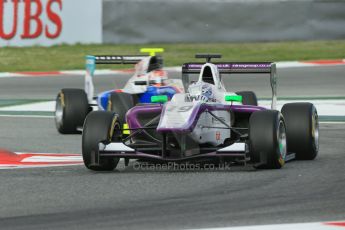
267 139
302 130
71 109
120 103
99 126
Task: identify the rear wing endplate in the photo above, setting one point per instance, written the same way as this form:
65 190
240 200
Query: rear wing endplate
91 62
237 68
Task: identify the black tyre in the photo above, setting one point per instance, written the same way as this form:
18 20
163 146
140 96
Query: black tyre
99 126
302 130
120 103
267 139
71 109
248 98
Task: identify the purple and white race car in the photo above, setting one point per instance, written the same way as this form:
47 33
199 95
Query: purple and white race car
205 123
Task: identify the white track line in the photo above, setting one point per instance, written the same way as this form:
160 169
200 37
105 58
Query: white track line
26 116
302 226
46 106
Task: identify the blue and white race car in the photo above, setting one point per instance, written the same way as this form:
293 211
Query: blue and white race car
148 82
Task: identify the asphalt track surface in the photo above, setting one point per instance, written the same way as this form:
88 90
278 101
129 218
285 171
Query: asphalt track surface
75 198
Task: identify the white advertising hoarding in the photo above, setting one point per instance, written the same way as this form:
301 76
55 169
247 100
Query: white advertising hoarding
50 22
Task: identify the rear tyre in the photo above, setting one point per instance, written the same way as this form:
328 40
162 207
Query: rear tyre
120 103
100 126
248 98
267 139
71 109
302 130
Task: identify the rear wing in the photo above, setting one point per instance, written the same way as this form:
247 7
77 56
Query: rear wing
92 61
118 59
236 68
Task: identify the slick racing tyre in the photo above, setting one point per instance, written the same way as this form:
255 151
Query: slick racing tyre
267 139
99 126
248 98
302 130
120 103
71 109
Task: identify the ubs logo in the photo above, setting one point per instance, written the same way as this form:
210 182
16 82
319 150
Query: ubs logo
33 26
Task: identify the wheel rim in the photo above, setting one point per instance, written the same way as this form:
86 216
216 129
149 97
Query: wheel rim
282 142
115 130
315 131
58 111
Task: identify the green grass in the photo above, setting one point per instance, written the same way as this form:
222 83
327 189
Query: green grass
67 57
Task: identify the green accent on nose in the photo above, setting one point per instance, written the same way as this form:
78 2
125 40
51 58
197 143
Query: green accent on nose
237 98
281 146
159 99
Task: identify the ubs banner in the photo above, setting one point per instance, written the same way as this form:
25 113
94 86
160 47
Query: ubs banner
50 22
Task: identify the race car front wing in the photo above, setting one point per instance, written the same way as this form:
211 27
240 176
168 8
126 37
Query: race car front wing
238 151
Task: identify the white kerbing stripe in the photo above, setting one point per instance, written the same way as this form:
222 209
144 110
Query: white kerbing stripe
7 74
48 154
291 64
73 72
48 165
49 159
9 166
302 226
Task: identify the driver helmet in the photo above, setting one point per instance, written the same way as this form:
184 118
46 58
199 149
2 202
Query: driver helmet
157 79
